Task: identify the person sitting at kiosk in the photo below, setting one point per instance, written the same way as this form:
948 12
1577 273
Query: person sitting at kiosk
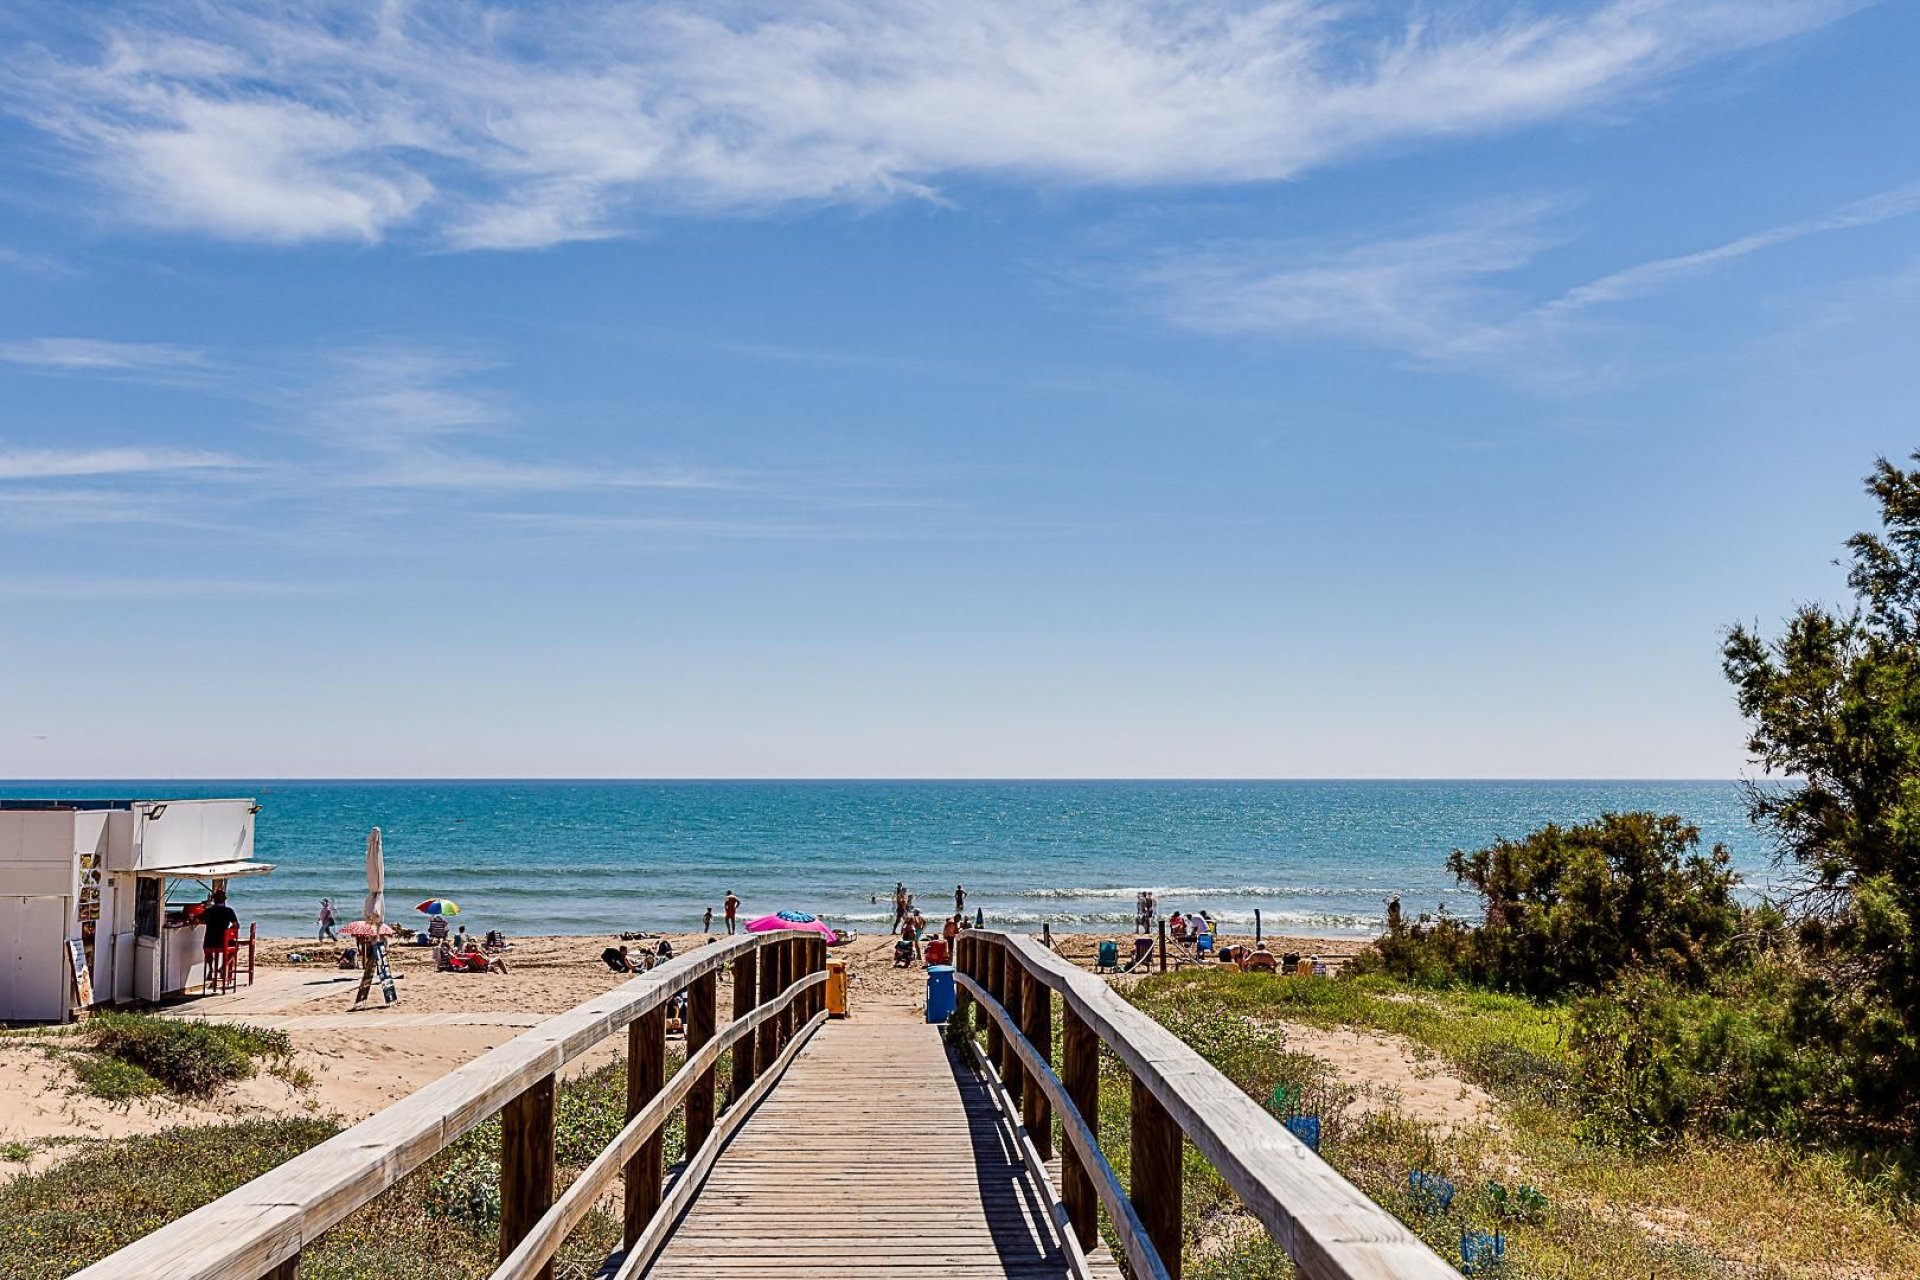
218 919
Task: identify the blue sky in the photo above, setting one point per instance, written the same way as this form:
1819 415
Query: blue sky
877 387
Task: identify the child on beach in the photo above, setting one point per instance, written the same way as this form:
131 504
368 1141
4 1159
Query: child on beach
706 921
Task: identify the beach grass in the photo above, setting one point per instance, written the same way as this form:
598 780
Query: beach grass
439 1223
1694 1209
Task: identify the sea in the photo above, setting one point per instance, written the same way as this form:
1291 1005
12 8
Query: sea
1319 858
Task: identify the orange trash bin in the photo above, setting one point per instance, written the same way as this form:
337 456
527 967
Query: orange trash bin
836 988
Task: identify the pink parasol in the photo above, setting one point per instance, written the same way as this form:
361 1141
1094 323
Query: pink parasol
366 929
793 920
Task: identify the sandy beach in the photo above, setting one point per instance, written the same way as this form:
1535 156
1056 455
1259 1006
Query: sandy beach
360 1059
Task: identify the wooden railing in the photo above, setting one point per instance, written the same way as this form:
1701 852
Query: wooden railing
1330 1229
260 1229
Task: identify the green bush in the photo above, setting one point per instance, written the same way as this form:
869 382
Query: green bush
189 1058
1657 1061
113 1080
1568 908
468 1191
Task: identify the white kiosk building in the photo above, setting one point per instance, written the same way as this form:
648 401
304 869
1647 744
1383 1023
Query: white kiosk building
99 898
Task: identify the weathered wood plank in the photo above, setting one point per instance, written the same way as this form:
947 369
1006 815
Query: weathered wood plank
1331 1229
1141 1256
586 1190
646 1077
745 992
1036 1023
526 1166
702 1022
1080 1077
245 1234
1153 1154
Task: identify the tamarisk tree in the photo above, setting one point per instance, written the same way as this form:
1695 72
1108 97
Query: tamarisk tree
1833 705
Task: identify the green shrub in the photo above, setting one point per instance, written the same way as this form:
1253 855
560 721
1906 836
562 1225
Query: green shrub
1657 1061
468 1191
189 1058
1568 908
113 1080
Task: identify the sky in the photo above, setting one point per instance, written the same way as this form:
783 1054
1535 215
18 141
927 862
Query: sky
1024 388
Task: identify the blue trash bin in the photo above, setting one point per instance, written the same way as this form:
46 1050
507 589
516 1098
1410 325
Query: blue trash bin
939 992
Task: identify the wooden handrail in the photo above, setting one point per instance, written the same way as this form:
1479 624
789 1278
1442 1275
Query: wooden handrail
261 1228
537 1247
1329 1227
1080 1135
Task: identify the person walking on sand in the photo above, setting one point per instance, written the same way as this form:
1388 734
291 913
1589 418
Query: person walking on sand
706 921
732 907
326 921
899 903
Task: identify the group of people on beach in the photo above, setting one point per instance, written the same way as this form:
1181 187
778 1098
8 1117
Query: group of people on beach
625 959
911 923
731 908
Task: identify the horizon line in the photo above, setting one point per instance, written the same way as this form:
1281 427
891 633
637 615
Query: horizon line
853 778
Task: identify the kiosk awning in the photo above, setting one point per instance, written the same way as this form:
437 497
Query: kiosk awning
209 870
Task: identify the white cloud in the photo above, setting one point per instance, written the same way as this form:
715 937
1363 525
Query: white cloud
95 355
46 464
487 127
1451 295
35 264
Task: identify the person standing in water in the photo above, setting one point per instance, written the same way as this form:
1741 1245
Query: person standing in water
959 899
732 907
706 921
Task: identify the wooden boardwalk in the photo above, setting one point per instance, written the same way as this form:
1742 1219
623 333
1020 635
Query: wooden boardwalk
876 1155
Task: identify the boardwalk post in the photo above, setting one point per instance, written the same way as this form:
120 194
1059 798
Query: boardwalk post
1013 979
526 1164
1154 1186
1163 944
1080 1073
745 982
783 966
288 1270
962 998
1036 1002
646 1076
769 991
702 1022
816 963
994 958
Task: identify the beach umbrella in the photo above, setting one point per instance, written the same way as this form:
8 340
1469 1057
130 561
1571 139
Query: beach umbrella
366 929
374 910
439 907
793 920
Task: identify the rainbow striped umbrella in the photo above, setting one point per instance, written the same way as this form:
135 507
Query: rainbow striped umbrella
439 907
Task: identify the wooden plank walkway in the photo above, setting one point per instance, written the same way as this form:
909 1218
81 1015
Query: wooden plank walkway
876 1154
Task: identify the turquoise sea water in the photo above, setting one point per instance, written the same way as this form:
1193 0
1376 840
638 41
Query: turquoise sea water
555 856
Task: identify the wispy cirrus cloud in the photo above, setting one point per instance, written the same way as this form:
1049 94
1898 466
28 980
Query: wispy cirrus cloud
96 355
486 127
47 464
35 264
1452 294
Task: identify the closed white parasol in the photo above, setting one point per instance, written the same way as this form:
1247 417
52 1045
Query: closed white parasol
374 911
373 952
